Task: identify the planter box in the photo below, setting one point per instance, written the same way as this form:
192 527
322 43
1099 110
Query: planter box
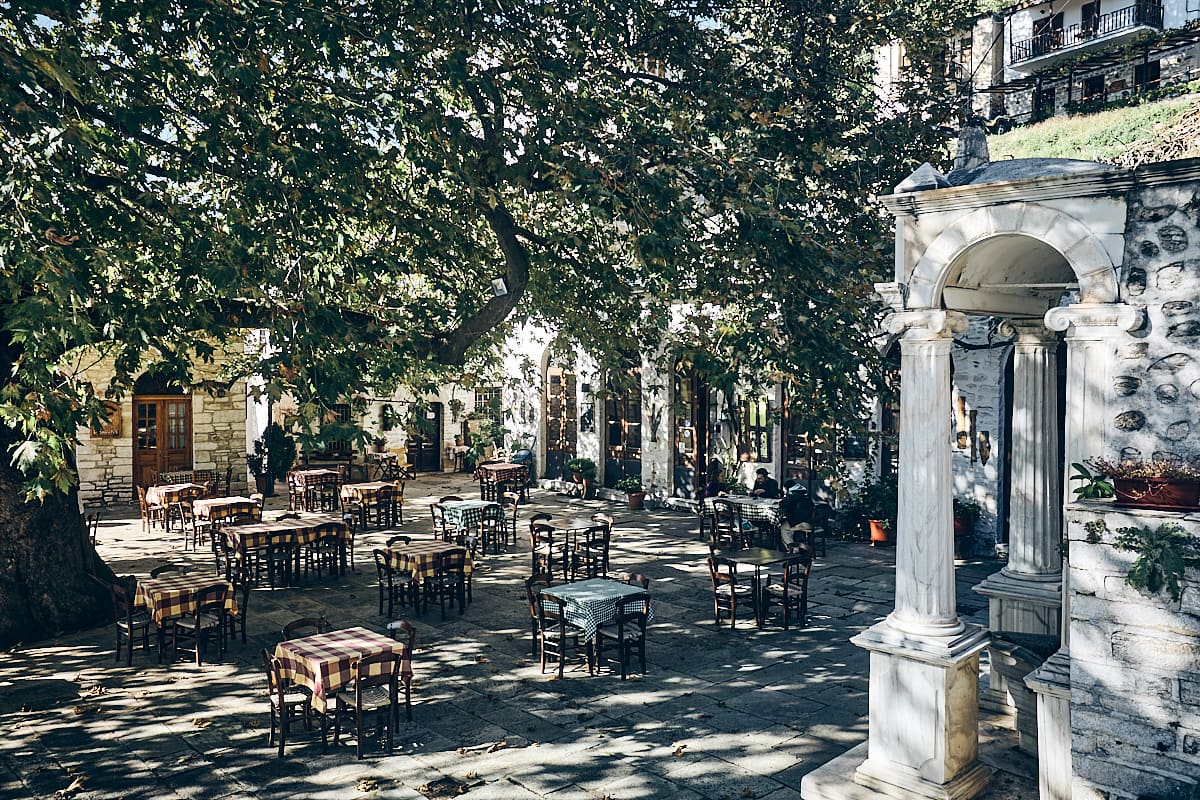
1171 495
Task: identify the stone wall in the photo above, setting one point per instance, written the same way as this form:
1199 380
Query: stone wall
979 457
1157 376
1135 691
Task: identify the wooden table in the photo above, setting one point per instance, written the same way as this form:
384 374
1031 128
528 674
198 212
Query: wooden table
322 663
219 509
467 514
491 475
367 493
174 595
759 557
169 495
421 558
590 604
309 480
304 530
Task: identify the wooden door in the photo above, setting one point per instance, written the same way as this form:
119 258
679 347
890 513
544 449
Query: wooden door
162 436
623 415
690 450
561 420
425 440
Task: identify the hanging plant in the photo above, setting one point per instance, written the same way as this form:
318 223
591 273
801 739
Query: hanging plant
1163 556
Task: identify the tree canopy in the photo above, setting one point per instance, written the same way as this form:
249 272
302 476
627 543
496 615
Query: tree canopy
353 177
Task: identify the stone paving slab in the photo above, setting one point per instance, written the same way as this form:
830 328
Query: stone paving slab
719 714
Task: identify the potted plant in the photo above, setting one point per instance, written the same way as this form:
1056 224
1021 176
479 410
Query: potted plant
1166 483
273 456
583 472
636 493
264 484
877 502
380 443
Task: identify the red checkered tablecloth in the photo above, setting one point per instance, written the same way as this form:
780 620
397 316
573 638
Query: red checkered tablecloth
364 492
174 595
216 509
322 662
498 473
169 493
421 558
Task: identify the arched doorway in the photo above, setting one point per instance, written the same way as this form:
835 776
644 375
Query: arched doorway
561 416
162 429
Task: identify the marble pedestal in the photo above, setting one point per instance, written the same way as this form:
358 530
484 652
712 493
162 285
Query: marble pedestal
1052 684
924 724
1019 604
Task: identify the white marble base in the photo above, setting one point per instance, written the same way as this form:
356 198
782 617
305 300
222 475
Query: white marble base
1019 604
924 714
839 780
1052 684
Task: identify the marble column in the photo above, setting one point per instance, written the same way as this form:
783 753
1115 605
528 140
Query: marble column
924 718
1091 331
1026 595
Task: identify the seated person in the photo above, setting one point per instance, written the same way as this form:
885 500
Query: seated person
715 486
796 512
764 485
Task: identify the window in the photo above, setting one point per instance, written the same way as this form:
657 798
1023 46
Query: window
756 429
1090 16
1093 88
487 402
1043 102
1147 76
339 425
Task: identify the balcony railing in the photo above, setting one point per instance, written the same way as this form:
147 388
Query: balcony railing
1140 14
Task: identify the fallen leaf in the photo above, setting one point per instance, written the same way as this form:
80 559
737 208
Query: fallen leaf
96 690
251 723
202 722
86 708
472 775
748 793
481 660
500 745
75 788
366 785
679 750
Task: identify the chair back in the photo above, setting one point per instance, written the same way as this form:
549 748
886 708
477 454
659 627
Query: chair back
549 611
638 579
723 571
122 591
382 568
92 521
534 583
377 669
541 516
451 498
633 610
439 520
304 626
395 540
540 533
452 561
211 601
163 569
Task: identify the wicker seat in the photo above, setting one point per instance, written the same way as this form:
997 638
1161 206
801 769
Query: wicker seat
208 619
286 701
790 590
727 592
130 621
370 692
557 636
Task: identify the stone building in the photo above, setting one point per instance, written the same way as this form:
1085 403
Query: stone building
1102 263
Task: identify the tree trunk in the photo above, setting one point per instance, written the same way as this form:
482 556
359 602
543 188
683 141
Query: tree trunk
46 562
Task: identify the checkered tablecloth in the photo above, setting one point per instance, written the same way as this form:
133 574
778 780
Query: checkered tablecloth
592 603
421 558
498 473
752 509
364 492
217 509
170 493
462 515
301 531
322 662
174 595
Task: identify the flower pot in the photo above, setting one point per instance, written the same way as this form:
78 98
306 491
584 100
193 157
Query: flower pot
1165 493
265 485
881 533
637 501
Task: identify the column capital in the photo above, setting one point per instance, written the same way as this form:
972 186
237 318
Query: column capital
894 295
926 324
1094 320
1027 332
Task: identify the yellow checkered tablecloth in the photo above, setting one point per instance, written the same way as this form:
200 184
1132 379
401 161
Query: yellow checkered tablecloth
322 662
170 493
174 595
301 531
216 509
421 558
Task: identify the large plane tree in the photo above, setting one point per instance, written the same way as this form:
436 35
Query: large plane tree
381 185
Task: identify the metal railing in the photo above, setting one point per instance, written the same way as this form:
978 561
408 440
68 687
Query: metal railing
1139 14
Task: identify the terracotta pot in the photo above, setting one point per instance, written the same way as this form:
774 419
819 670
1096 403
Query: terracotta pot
1157 493
265 485
881 534
637 501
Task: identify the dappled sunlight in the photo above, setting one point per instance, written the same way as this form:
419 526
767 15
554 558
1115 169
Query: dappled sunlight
718 713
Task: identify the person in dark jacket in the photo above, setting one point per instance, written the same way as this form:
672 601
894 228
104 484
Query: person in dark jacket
796 512
764 485
715 486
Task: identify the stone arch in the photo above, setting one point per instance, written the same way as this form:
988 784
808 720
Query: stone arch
1079 245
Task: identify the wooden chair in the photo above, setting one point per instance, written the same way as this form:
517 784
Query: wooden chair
440 531
322 554
237 621
208 619
152 513
556 635
91 525
163 569
638 579
510 503
789 590
304 626
402 631
296 499
534 584
822 514
591 553
277 558
368 693
286 700
726 522
628 631
546 550
492 529
449 581
130 621
394 585
727 591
